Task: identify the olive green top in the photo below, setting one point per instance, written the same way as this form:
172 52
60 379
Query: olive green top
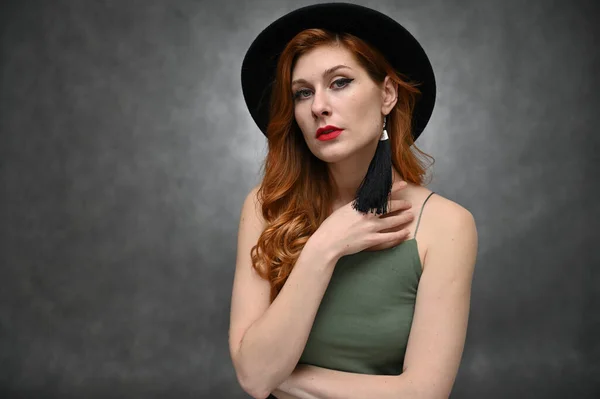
364 320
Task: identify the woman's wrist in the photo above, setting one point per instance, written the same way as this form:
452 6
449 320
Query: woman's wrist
322 251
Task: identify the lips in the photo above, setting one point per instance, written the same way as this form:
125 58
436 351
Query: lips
326 129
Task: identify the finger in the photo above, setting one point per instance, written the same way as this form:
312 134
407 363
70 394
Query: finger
396 220
393 238
396 205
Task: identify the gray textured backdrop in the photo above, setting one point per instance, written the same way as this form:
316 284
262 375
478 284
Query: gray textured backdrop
126 151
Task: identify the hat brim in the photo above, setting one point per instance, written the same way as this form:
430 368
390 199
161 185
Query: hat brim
399 47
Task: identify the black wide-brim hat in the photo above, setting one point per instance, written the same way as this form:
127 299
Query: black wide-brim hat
398 46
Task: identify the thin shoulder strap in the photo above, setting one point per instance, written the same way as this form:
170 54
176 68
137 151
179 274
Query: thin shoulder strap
422 206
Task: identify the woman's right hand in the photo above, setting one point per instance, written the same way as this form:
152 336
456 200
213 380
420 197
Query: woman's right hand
347 231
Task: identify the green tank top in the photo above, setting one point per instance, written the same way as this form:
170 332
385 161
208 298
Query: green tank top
364 319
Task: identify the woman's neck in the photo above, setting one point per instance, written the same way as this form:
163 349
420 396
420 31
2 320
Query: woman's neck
347 179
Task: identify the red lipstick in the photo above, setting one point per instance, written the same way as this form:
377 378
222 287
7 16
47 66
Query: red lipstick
328 132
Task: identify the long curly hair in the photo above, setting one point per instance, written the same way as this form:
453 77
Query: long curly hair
296 193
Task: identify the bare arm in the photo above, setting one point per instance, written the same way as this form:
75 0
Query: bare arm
266 341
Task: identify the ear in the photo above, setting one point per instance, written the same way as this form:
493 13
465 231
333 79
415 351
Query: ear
389 95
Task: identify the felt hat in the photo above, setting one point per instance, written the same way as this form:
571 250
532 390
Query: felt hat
398 46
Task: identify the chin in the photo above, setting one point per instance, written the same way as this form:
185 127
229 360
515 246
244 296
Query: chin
331 155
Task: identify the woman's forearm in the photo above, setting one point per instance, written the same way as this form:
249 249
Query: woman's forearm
279 394
272 346
310 382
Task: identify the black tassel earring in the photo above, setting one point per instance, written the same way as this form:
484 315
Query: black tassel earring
374 191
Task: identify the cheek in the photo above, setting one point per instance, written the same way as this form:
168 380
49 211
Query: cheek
298 115
371 112
301 119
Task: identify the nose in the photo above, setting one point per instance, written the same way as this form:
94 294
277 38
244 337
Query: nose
320 105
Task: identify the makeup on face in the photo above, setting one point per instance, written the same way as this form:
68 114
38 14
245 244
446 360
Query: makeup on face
334 100
328 132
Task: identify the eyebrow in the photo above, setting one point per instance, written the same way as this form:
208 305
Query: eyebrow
325 73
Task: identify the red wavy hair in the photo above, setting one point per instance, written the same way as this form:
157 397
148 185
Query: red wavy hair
296 192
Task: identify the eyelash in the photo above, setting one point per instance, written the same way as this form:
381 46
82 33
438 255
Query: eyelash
297 94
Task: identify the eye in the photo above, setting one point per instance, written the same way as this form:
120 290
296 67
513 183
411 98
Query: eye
299 94
338 84
342 82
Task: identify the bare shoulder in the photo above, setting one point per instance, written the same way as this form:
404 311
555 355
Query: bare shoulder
443 213
252 196
252 209
444 223
437 212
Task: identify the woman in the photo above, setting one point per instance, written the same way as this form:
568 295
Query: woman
333 296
